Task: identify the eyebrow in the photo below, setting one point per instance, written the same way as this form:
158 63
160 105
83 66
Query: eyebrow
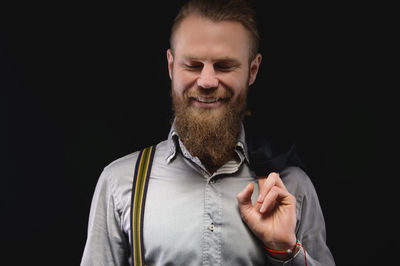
224 59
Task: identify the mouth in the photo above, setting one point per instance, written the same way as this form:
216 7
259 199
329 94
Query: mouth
207 102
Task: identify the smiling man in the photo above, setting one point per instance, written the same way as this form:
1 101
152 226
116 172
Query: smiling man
205 205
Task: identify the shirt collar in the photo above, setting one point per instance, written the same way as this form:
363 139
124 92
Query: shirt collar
174 142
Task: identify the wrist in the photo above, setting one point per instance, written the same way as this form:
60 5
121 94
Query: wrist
283 243
284 253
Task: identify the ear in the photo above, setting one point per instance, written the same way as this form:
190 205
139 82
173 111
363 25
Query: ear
254 66
170 59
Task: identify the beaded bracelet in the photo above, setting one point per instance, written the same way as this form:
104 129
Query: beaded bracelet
288 251
284 251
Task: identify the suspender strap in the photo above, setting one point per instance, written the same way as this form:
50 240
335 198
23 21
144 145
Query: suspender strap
139 189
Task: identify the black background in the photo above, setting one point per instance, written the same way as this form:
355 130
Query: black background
82 85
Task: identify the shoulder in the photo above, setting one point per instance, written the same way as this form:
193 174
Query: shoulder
300 186
122 169
297 181
115 181
121 164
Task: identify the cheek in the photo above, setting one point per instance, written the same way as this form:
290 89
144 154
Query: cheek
238 84
181 82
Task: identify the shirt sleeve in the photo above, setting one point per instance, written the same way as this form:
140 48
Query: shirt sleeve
310 227
106 242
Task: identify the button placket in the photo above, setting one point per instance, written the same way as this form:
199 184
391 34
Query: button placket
212 219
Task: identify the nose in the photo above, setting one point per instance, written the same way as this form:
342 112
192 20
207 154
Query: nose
207 79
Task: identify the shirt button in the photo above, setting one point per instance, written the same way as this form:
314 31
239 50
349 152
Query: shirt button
211 227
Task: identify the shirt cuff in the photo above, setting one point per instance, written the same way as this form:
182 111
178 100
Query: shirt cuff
297 259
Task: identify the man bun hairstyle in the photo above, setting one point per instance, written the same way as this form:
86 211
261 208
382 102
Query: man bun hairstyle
221 10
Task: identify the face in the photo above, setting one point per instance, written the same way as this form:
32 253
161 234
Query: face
210 71
209 64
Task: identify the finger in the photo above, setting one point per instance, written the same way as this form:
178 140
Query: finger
266 186
273 197
261 182
244 197
278 181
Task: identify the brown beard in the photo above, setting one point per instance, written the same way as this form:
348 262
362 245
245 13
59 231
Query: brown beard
209 134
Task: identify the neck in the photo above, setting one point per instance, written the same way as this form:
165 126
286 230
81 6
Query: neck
211 166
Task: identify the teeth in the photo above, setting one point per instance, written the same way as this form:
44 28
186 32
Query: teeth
207 100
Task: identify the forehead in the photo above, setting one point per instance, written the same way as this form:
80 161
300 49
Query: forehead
200 37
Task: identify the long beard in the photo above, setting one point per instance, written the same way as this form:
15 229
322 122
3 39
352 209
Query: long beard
209 134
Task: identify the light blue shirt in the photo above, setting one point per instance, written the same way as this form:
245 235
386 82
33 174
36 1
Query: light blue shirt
192 217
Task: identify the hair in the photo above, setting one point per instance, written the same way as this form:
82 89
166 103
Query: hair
221 10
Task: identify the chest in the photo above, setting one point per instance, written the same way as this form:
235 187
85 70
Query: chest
193 220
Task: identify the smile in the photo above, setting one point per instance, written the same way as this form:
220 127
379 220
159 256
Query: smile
207 100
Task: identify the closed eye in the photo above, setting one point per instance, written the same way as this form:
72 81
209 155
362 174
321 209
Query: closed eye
223 66
192 65
226 65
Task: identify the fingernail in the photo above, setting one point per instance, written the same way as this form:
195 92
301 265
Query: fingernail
262 209
248 186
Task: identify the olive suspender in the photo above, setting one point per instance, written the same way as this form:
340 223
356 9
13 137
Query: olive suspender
138 199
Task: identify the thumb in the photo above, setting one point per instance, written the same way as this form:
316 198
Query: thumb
244 197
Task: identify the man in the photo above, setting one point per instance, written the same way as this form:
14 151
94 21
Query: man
205 206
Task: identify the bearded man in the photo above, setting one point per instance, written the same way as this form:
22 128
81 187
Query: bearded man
204 204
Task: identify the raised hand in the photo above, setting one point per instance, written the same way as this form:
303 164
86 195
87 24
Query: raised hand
273 216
